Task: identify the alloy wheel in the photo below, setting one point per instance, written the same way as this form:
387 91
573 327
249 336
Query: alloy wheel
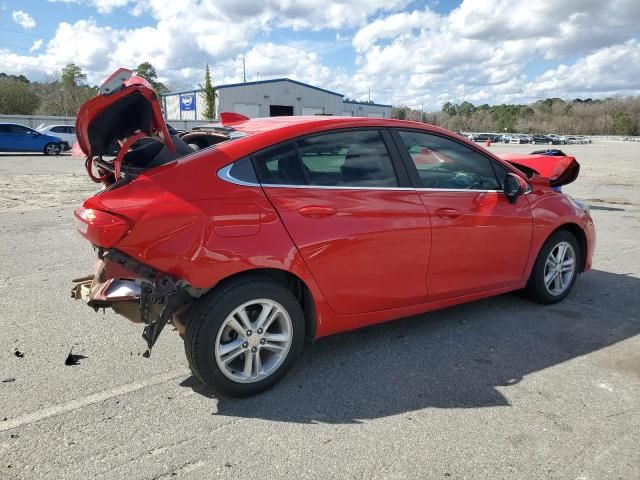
253 341
52 149
559 268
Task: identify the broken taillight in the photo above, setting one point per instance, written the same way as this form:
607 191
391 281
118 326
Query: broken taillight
100 228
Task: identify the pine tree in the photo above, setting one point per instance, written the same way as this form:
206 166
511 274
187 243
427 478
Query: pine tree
209 96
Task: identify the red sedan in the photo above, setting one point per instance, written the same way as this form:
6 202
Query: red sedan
300 227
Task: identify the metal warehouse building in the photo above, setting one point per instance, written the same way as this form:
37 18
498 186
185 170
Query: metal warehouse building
269 98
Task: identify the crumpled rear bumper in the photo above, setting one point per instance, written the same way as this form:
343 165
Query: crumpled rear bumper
105 294
134 291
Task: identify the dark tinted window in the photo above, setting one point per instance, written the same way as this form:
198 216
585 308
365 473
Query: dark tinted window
59 129
243 171
444 163
279 166
348 159
5 129
71 130
20 130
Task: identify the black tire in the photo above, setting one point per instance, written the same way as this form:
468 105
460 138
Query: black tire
52 149
536 289
206 318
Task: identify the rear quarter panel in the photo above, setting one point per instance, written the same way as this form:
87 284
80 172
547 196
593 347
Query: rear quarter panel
202 229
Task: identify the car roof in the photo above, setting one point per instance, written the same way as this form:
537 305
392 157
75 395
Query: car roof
312 123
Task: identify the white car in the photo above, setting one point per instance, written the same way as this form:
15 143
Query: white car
65 132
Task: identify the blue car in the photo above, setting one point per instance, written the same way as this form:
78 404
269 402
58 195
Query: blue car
18 138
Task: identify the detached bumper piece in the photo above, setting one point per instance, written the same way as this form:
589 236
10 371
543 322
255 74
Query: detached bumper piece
156 295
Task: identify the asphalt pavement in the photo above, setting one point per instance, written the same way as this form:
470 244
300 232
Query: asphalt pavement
500 388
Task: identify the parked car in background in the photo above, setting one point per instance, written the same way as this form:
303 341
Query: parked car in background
303 227
519 138
577 139
479 137
547 139
562 140
483 137
19 138
65 132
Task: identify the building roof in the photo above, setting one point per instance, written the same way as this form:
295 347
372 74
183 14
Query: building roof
259 82
367 103
274 80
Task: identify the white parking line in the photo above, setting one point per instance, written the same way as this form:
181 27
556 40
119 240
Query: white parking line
77 403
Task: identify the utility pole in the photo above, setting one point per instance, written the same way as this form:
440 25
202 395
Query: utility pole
369 94
244 71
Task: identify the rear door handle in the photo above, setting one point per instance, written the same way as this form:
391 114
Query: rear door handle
317 212
449 213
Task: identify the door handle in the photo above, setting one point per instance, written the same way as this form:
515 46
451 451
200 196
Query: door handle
317 212
449 213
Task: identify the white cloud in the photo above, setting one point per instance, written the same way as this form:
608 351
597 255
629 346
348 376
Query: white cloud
479 52
607 71
102 6
23 19
36 45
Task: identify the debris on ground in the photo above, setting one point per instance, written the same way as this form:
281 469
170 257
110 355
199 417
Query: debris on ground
8 380
73 359
18 353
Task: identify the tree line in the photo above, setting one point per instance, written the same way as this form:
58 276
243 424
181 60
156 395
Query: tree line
61 95
609 116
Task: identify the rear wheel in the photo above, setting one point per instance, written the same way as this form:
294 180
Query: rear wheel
52 149
555 270
241 340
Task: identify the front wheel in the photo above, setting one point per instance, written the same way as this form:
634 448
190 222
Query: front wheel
555 270
242 339
52 149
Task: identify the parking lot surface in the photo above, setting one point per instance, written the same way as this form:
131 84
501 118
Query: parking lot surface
501 388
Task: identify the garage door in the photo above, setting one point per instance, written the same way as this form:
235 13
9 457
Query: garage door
375 115
312 111
346 113
250 110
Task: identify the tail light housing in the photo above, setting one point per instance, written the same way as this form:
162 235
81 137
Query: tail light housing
100 228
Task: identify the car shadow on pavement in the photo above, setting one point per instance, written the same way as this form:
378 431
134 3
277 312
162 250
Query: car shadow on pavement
453 358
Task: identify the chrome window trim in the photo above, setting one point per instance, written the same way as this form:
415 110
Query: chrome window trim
328 187
224 174
426 189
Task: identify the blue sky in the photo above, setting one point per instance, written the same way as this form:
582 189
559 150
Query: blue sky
405 52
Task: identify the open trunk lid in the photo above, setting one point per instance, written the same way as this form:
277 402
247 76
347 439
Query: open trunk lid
559 168
125 112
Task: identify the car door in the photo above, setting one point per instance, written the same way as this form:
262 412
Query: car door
479 241
6 137
345 199
24 139
18 138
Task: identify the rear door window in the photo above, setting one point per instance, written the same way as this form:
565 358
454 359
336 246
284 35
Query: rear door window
356 158
353 158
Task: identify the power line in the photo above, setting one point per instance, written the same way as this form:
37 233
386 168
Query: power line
6 45
21 33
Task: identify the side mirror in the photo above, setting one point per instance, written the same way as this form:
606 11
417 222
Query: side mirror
514 186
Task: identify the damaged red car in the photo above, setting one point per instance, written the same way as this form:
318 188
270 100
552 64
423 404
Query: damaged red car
294 228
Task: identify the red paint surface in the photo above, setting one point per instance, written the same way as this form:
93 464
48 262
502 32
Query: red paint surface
366 255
